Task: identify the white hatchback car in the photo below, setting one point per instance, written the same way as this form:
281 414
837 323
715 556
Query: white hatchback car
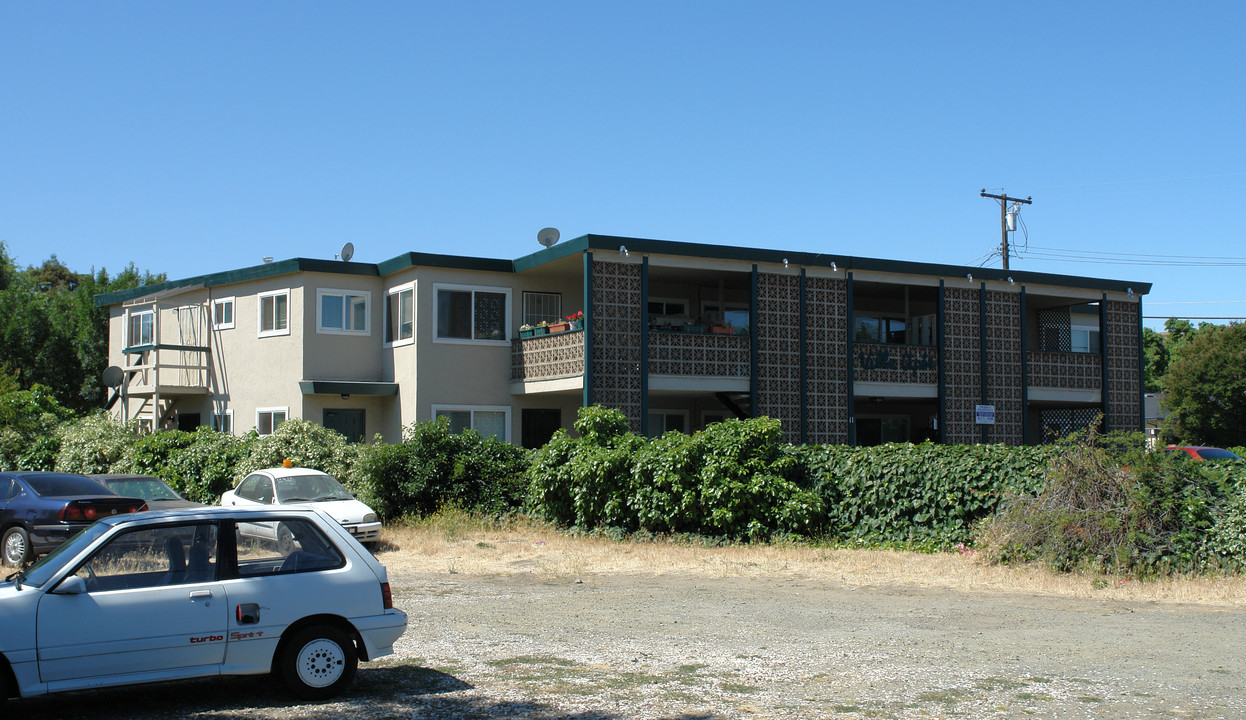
176 594
298 486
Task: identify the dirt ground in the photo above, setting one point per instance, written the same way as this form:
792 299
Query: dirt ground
535 626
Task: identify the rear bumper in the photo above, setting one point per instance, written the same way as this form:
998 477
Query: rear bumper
380 632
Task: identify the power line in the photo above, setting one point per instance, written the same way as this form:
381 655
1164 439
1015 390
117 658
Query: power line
1108 253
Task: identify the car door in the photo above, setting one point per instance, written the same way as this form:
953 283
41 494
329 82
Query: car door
150 607
256 489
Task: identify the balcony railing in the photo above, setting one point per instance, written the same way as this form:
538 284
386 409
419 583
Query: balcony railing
697 355
166 369
547 357
1065 370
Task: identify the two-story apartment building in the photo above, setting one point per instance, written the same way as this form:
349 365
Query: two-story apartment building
840 349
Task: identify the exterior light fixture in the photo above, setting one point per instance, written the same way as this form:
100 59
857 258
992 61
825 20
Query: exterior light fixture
784 262
1010 282
970 276
833 268
623 251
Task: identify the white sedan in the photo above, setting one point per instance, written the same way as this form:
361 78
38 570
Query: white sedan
168 595
299 486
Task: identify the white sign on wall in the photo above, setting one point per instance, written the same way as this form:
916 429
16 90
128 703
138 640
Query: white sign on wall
984 414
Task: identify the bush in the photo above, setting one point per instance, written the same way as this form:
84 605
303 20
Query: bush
586 482
1117 510
307 445
730 480
926 494
434 468
29 420
95 444
199 465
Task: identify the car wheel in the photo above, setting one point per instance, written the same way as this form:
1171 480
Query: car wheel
318 662
16 545
285 539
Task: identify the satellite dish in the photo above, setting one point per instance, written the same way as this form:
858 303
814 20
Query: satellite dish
348 252
547 236
113 376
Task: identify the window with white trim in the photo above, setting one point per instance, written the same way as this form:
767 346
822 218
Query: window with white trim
472 314
487 420
343 312
223 421
142 328
400 315
267 420
1084 339
223 314
541 307
274 313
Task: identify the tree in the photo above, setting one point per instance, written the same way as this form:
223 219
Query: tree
52 332
1205 387
1155 352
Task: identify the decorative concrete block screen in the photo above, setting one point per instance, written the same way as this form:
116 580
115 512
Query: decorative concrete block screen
962 357
1124 381
616 337
778 354
1003 365
826 327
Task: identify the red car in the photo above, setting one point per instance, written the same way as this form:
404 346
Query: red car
1204 453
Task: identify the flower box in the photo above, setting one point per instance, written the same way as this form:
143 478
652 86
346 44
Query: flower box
559 327
694 329
527 332
720 330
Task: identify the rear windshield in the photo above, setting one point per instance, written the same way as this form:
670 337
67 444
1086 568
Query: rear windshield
1217 454
65 486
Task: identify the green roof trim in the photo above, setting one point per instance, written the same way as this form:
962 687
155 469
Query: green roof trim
589 243
255 272
454 262
807 259
347 387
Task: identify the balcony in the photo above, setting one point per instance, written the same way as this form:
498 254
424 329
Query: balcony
548 362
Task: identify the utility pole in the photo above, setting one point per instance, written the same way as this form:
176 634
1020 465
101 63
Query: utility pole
1003 218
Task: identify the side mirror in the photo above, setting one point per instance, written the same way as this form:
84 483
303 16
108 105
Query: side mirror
72 585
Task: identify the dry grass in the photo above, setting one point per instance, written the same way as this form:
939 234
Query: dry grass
456 544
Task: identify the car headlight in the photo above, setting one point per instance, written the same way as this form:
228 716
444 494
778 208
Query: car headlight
369 518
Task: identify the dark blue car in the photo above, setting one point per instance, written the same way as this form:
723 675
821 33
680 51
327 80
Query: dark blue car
41 510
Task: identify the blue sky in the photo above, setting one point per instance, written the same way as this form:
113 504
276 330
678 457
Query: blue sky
194 137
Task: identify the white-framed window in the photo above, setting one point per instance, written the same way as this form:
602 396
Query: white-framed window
274 313
1084 339
661 421
541 307
400 315
142 329
492 420
223 314
343 312
267 420
467 313
223 421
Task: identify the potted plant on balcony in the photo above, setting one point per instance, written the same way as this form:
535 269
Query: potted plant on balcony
718 327
525 331
695 327
577 320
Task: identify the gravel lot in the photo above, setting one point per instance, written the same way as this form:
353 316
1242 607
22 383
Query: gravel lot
691 647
